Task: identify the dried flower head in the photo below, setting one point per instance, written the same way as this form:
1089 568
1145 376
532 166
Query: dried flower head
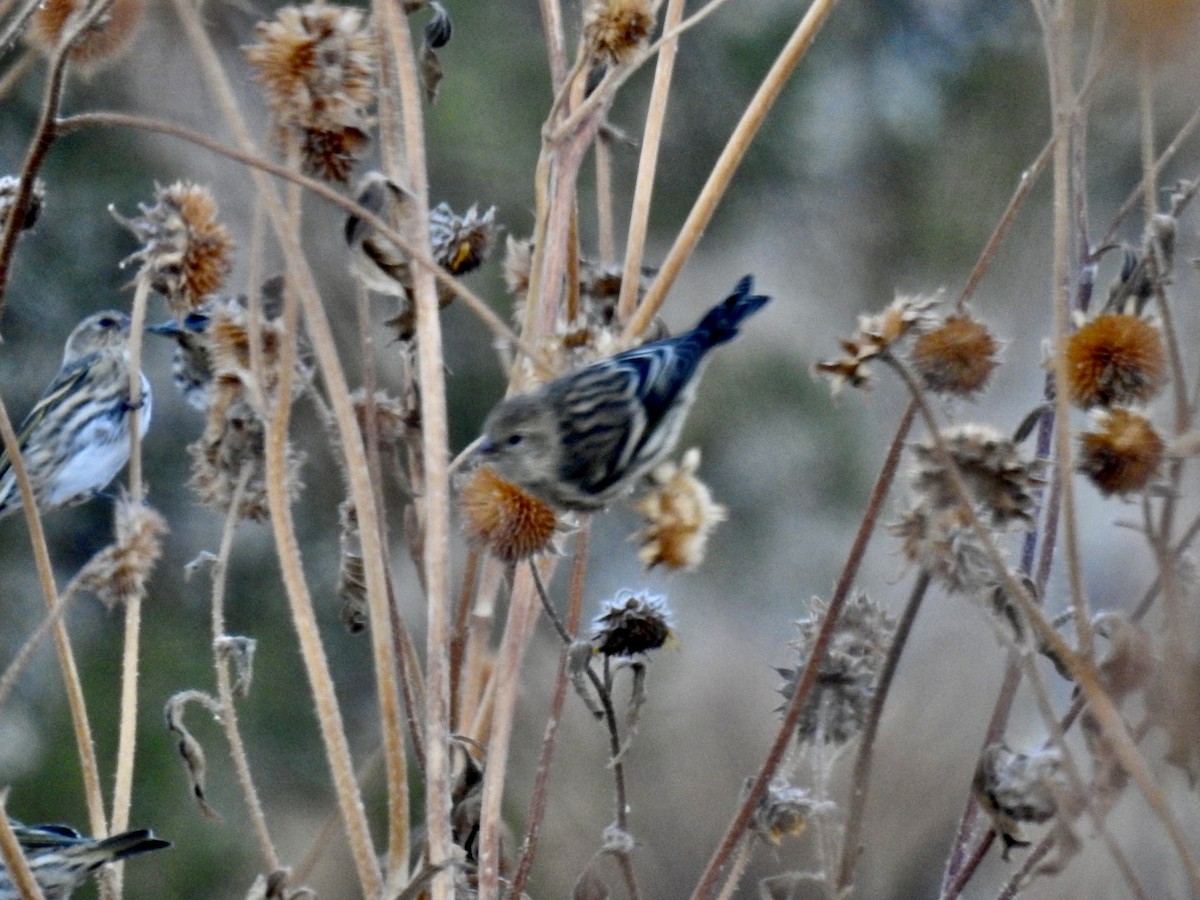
1017 787
783 810
941 544
105 40
1122 454
680 513
119 572
957 357
630 624
1114 360
186 252
1000 481
8 196
875 335
616 29
509 523
315 62
461 244
837 708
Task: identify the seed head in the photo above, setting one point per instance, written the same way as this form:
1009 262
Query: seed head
876 334
957 357
508 522
631 624
103 42
616 29
1017 787
1122 454
1114 360
941 544
118 573
783 810
680 513
186 251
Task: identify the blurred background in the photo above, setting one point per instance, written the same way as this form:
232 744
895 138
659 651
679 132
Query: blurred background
884 168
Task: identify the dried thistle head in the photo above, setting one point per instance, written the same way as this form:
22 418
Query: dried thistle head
957 357
103 42
782 810
1001 482
186 251
875 335
680 514
1114 360
615 30
1123 452
461 244
119 572
631 624
497 515
941 544
8 196
1017 787
315 62
838 706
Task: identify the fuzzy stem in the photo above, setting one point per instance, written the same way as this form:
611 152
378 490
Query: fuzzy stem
728 162
808 678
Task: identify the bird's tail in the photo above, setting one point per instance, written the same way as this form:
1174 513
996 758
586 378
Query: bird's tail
124 845
721 322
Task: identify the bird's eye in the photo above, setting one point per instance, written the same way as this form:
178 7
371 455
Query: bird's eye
514 439
108 322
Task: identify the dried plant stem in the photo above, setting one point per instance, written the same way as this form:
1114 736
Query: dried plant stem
808 678
436 495
13 858
300 282
556 48
17 70
81 725
541 784
53 616
228 717
728 162
18 21
1080 668
643 189
866 750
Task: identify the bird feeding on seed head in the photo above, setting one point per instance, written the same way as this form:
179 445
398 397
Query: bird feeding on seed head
76 438
585 438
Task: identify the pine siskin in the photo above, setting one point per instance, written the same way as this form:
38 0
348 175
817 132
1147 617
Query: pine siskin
76 439
61 859
191 367
585 438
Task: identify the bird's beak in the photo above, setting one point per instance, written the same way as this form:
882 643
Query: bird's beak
485 446
170 328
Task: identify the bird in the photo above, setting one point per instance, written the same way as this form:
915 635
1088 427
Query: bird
191 365
585 438
76 438
62 859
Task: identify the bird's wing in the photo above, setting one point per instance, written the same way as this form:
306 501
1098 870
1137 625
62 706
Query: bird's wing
64 383
600 421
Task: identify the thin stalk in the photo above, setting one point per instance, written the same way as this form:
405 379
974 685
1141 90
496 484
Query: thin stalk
807 679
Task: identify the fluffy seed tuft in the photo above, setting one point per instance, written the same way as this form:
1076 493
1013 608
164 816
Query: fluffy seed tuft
680 514
104 42
957 357
616 29
498 515
118 573
1114 360
1122 454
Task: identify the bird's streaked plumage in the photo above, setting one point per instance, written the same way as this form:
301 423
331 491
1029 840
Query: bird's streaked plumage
61 859
76 438
583 439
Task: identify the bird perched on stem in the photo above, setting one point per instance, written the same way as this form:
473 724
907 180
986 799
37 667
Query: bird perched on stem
61 859
583 439
76 439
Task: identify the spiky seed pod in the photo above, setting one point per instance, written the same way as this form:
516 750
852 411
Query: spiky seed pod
939 543
838 706
316 65
631 624
1116 359
616 29
186 252
104 42
1000 481
680 514
511 524
783 810
957 357
1122 454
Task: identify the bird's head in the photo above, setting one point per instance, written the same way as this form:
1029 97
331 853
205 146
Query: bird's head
104 330
520 441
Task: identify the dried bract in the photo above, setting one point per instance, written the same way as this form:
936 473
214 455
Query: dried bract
957 357
511 524
107 38
783 810
841 697
1122 454
1017 787
352 577
1000 482
616 29
631 624
680 514
1114 360
875 335
186 251
949 550
118 573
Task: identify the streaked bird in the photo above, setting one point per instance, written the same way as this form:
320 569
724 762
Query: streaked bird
76 439
583 439
191 367
61 859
